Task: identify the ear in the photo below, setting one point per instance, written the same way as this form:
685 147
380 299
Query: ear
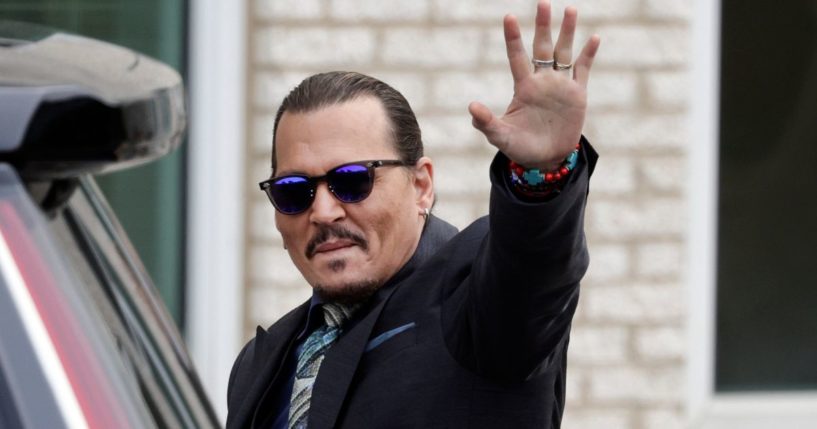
424 183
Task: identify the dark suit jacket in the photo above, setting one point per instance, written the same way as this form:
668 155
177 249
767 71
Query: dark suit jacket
482 320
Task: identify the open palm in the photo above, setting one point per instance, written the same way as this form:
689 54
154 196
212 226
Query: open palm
543 122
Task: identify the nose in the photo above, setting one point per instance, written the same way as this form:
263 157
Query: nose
325 208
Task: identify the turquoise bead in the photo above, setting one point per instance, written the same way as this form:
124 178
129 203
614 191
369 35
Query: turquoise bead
533 177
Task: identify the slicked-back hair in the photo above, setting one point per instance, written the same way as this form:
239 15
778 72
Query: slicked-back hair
336 87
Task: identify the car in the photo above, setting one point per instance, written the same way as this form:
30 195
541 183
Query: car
85 341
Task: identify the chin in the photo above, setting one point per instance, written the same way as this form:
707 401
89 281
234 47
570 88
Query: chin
349 293
343 280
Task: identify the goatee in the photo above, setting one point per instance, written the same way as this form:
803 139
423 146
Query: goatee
348 294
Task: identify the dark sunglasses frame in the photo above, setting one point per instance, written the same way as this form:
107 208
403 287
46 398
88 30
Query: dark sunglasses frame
312 182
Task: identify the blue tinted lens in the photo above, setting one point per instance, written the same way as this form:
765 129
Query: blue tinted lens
291 194
350 183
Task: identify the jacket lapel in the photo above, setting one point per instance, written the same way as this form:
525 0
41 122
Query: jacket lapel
270 349
338 369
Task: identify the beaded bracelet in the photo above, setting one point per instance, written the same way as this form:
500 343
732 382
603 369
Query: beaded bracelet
535 183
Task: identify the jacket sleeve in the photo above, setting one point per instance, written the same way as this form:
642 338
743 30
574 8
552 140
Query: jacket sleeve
513 310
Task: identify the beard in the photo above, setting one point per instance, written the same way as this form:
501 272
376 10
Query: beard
348 294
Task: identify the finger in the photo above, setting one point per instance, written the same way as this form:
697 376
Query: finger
581 71
517 58
484 121
542 41
563 53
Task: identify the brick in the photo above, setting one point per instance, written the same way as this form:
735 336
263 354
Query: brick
666 174
639 46
268 304
589 418
664 418
525 10
287 9
641 218
462 176
450 133
419 47
654 344
612 89
457 213
455 90
269 89
262 126
270 264
315 46
262 222
675 9
639 303
482 10
659 259
608 262
615 175
598 10
639 130
494 52
574 385
668 89
639 385
412 85
598 345
377 10
482 206
260 169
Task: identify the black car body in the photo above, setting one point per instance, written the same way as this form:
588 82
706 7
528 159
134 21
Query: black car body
84 339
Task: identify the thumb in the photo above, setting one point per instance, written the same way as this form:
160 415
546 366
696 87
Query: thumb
483 120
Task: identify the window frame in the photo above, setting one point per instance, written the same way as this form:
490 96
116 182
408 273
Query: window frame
707 408
215 243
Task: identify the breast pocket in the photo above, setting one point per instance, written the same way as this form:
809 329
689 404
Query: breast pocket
391 342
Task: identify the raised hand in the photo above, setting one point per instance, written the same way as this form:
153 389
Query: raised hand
544 120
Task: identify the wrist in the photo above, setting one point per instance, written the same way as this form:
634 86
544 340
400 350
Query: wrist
542 182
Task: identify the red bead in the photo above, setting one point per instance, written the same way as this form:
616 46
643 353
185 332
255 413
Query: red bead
564 171
549 177
557 176
578 146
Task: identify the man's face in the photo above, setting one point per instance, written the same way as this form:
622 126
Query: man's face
347 250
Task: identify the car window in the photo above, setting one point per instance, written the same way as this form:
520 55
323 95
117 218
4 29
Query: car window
147 340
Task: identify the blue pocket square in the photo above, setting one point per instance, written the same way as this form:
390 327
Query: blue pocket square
380 339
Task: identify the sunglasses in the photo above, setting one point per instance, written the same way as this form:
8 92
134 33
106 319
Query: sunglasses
349 183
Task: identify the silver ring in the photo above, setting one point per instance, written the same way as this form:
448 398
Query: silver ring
540 64
559 66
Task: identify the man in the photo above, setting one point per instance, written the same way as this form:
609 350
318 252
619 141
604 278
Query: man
412 324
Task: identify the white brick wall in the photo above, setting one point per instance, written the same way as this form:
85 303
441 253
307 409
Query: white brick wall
627 352
600 418
420 47
633 304
660 344
355 11
644 385
292 9
315 46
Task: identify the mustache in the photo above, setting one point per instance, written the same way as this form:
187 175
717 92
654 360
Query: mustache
325 232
